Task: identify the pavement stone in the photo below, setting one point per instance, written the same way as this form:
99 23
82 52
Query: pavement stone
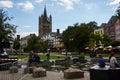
55 76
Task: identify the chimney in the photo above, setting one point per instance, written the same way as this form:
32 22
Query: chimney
18 37
58 31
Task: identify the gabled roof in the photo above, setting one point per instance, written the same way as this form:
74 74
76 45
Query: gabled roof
112 21
27 37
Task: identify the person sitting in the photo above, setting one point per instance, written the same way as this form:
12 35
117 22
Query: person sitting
37 58
113 61
31 57
101 61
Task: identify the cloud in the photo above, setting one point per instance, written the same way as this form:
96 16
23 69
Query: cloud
90 6
39 1
67 3
7 4
114 2
27 26
27 6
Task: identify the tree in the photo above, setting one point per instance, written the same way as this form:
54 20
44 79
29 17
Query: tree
7 30
41 46
92 25
115 43
31 42
97 40
81 37
16 44
118 13
67 37
106 40
36 44
76 37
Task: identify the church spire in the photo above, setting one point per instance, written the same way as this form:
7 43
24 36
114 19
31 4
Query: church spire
45 12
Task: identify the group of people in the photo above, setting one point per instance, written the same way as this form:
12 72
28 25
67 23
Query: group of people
112 61
33 58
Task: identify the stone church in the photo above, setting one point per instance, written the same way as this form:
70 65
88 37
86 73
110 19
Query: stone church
45 23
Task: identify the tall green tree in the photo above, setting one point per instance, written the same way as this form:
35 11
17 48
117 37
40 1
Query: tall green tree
115 43
97 40
7 30
118 13
16 44
106 40
81 37
76 37
67 38
31 43
92 25
36 44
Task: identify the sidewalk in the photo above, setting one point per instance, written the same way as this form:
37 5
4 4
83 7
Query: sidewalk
55 76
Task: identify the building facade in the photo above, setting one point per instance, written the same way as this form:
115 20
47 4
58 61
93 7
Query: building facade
110 27
24 40
117 31
45 24
99 31
53 39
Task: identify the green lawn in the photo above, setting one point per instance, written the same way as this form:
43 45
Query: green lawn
57 56
42 57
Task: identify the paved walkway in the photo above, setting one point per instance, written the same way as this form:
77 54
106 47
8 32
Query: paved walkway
6 75
55 76
51 75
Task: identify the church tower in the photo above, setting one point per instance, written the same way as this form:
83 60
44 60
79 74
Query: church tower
45 23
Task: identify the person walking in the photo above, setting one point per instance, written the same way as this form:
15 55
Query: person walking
48 54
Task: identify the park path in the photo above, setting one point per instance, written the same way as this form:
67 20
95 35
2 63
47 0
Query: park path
52 75
56 76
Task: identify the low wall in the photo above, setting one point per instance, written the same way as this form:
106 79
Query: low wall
105 74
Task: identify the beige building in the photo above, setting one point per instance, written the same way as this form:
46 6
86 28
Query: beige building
99 31
53 39
23 41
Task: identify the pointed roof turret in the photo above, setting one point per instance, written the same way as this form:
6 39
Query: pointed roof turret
45 12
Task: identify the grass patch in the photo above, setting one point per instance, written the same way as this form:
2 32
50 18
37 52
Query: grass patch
58 56
44 57
21 56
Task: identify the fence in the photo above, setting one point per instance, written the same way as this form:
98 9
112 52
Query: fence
5 73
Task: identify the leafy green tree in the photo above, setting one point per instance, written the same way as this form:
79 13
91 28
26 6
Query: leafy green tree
16 44
106 40
31 43
92 25
118 13
36 44
81 37
41 46
115 43
76 37
7 30
67 37
97 40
